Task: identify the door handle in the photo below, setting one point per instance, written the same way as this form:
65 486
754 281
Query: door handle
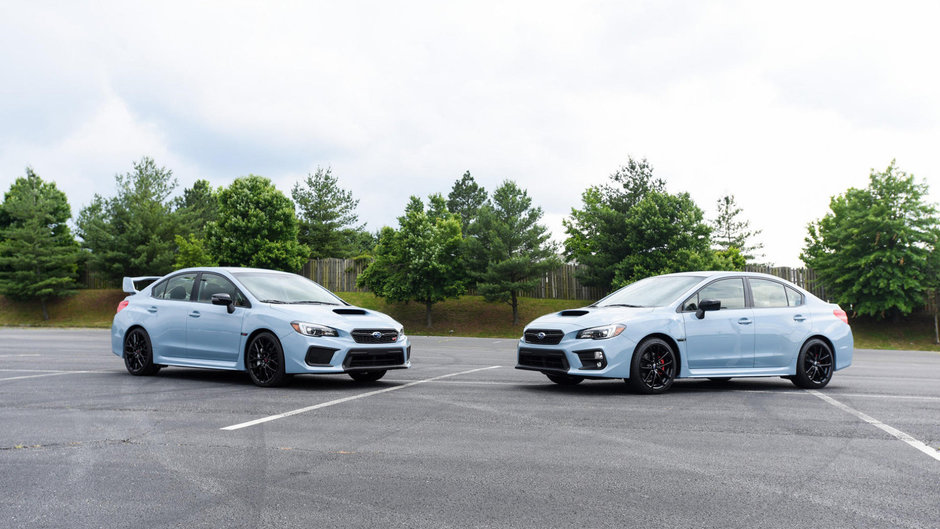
744 321
194 314
152 309
799 317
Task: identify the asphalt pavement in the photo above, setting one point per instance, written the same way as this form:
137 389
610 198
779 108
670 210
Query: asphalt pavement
460 440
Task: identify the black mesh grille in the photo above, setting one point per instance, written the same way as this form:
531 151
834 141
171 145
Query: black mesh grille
554 360
375 335
319 356
543 336
365 358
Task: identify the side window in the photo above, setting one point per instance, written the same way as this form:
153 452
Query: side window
179 288
729 291
795 298
159 290
211 284
768 294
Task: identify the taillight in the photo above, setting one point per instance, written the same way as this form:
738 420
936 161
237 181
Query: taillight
839 313
121 306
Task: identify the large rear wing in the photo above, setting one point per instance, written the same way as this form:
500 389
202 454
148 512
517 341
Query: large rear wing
133 285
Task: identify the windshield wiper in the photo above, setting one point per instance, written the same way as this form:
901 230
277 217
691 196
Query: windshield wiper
624 305
276 301
311 302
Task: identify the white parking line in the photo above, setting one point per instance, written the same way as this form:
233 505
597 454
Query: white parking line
898 434
48 375
347 399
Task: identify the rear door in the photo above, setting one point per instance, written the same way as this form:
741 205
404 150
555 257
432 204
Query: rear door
169 303
781 323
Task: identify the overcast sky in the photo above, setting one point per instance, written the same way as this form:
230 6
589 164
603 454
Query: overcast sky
781 104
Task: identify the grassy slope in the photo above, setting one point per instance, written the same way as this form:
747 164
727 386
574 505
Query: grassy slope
467 316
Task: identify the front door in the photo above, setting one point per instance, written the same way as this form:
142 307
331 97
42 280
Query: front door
723 338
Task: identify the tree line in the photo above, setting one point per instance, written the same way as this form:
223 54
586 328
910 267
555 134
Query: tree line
875 249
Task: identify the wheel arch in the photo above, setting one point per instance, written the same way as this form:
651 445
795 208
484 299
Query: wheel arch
825 340
669 340
251 337
128 331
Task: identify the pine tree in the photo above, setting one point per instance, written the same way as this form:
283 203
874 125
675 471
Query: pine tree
38 254
729 232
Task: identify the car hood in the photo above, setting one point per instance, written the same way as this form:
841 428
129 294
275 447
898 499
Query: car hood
583 318
343 317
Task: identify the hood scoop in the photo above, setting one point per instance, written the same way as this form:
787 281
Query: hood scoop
350 312
573 313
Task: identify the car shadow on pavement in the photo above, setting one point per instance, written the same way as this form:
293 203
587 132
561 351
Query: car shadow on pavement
682 386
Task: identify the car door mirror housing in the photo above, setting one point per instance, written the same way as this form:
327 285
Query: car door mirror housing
707 305
224 299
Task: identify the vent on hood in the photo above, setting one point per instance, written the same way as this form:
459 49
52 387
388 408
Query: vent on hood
350 312
573 312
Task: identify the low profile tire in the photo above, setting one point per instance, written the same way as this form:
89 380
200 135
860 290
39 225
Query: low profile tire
138 353
565 380
815 365
653 368
264 361
367 376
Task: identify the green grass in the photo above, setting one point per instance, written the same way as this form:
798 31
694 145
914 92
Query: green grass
467 316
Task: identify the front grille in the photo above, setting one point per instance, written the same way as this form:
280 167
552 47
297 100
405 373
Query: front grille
538 359
366 358
375 335
319 356
543 336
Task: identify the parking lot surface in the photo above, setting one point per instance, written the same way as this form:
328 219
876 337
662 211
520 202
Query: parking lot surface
460 440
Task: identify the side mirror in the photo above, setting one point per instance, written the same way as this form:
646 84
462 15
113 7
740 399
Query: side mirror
223 299
707 305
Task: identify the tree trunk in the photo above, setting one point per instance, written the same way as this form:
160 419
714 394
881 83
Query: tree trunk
515 308
427 313
45 313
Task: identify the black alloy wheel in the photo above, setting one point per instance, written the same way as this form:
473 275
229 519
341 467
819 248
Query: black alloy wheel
653 368
265 361
367 376
815 365
565 380
138 353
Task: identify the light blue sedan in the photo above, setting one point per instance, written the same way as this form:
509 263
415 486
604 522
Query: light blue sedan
715 325
270 324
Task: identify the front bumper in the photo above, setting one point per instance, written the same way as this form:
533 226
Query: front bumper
587 358
327 355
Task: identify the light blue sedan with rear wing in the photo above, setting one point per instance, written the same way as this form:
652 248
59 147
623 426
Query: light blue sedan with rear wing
715 325
268 323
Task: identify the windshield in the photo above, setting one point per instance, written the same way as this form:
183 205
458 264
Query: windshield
279 287
650 292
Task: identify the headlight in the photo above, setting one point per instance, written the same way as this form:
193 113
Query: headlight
602 333
312 329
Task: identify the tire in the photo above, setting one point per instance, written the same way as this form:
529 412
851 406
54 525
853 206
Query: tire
653 368
264 361
815 365
367 376
138 353
565 380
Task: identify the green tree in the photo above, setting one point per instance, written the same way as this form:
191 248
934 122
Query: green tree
421 260
876 248
38 254
516 249
632 227
192 252
465 199
256 227
328 220
665 233
198 206
132 233
730 232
